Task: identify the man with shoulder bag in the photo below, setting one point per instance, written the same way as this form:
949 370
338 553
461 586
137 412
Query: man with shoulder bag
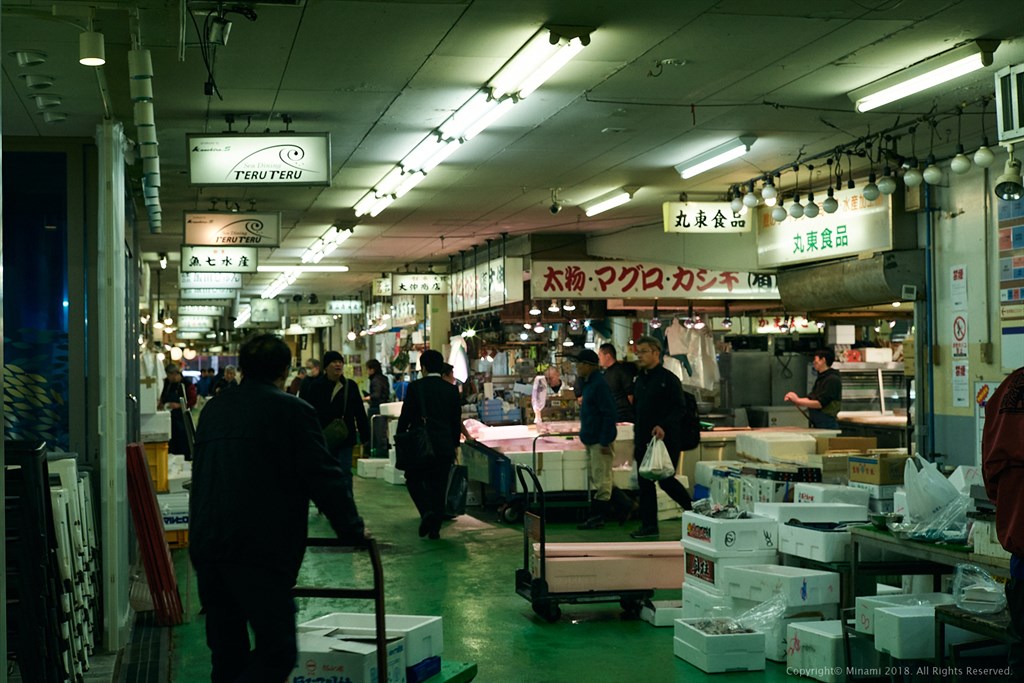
339 408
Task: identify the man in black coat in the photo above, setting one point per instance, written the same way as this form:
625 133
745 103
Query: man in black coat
658 398
438 402
334 396
260 457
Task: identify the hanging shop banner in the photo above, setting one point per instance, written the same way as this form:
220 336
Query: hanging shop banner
344 306
490 284
288 159
403 310
859 226
382 286
265 311
419 283
218 259
209 280
233 229
193 309
316 320
705 218
627 279
207 294
195 322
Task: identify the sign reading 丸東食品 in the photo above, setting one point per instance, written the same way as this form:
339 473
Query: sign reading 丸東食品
232 229
239 159
705 218
218 259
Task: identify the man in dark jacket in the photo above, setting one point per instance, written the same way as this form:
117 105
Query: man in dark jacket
620 380
437 401
1002 465
826 398
658 398
260 458
334 396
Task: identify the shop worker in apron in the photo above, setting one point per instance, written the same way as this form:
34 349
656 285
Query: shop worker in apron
826 398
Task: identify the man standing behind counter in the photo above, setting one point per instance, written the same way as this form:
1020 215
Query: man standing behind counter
826 397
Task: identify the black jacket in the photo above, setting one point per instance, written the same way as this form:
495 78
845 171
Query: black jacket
327 409
620 380
658 397
443 412
260 458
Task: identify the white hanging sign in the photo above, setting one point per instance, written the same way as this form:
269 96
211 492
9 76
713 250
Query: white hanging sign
209 280
218 259
265 311
961 384
630 279
233 228
497 282
206 294
316 320
382 286
193 309
344 306
239 159
705 218
419 283
195 322
859 226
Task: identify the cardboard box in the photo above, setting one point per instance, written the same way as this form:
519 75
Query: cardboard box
572 567
879 468
325 655
715 653
859 444
424 635
740 535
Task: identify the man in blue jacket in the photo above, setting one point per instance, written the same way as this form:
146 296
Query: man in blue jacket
598 432
260 458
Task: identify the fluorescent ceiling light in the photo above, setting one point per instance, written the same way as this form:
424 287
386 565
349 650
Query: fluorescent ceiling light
381 204
607 201
716 156
487 119
304 268
925 74
411 181
537 61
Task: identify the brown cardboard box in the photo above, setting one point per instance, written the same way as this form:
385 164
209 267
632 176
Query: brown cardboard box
881 469
860 444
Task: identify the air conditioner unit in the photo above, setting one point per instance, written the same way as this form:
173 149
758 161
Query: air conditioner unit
1010 103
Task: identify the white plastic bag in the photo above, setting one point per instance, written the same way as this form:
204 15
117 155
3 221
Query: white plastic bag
657 464
928 492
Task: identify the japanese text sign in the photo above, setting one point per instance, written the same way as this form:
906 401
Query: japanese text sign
705 218
209 280
618 279
344 306
382 286
497 282
289 159
233 229
316 320
218 259
211 293
417 283
195 322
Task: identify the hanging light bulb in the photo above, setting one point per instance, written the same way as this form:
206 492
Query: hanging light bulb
735 201
932 173
768 192
811 209
655 319
820 324
779 213
569 305
795 209
961 163
527 325
750 199
351 336
568 342
984 157
554 308
912 176
539 328
871 190
524 336
688 323
892 324
886 184
784 323
830 205
698 323
534 309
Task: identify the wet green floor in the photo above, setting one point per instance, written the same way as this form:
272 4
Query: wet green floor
467 577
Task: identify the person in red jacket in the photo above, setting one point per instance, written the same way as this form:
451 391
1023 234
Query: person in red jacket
1002 465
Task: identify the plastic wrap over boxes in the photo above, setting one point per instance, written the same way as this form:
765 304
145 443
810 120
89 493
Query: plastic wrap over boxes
816 649
328 655
716 653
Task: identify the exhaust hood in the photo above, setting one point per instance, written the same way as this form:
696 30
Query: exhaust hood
883 278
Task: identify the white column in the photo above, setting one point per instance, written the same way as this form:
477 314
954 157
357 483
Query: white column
112 311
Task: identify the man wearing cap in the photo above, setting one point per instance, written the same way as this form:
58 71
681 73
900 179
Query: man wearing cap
335 397
597 432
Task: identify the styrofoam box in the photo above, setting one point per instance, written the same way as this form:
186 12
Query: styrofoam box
371 468
718 653
877 355
909 632
393 476
986 542
755 533
899 502
424 635
322 654
574 470
829 493
813 512
706 566
704 470
877 491
393 409
155 427
800 586
865 606
816 650
773 446
775 636
174 508
813 544
699 601
662 612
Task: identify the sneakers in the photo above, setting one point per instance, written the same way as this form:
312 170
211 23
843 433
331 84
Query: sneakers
595 522
643 534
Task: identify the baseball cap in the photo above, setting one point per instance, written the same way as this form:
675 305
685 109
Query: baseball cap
587 356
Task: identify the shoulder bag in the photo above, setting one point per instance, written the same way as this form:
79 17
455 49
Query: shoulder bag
336 431
414 449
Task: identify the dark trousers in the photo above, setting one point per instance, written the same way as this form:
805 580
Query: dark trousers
427 489
236 597
649 495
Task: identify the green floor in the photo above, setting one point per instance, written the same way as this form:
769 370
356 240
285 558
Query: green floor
468 578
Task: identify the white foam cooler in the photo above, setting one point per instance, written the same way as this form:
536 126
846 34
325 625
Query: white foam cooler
815 648
805 492
775 636
718 653
392 475
865 606
700 602
371 468
815 544
813 512
775 446
799 586
393 409
909 632
424 635
704 565
746 535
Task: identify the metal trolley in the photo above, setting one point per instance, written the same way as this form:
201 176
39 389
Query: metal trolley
535 588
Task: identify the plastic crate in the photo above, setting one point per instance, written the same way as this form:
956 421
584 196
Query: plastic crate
177 539
156 459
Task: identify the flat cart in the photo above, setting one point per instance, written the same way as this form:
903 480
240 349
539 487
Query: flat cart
535 588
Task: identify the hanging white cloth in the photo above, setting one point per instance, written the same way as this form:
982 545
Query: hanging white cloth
458 358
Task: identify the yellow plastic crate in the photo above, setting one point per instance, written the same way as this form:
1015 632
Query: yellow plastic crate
177 539
156 459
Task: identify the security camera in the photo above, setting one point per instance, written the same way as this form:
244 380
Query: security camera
555 207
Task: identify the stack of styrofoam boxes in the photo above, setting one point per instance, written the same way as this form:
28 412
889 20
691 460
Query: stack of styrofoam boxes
574 470
809 595
388 472
880 473
717 653
986 543
775 446
813 544
712 545
423 636
816 650
908 631
866 605
371 468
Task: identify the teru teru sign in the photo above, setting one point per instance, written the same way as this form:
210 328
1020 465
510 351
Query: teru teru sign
238 159
233 228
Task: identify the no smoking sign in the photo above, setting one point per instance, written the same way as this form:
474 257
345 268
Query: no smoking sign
960 335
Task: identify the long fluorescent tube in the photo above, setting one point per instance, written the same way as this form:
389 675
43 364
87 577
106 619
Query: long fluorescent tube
925 74
716 156
411 181
607 201
537 61
487 119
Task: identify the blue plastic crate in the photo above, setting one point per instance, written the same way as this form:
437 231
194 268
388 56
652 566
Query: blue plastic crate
417 673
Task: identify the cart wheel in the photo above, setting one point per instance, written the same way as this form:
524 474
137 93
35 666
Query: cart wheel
548 611
511 513
631 607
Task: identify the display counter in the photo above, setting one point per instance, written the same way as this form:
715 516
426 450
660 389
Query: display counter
890 430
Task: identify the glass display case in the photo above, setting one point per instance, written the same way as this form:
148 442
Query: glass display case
875 387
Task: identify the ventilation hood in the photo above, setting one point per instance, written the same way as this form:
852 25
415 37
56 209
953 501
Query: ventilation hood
883 278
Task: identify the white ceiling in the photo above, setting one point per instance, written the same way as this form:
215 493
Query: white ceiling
379 75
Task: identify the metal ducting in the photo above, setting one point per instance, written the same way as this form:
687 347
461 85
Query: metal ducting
883 278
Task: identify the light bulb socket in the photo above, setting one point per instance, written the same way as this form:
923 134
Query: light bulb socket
91 49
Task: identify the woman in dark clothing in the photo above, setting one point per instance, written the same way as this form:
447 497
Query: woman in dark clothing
380 392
